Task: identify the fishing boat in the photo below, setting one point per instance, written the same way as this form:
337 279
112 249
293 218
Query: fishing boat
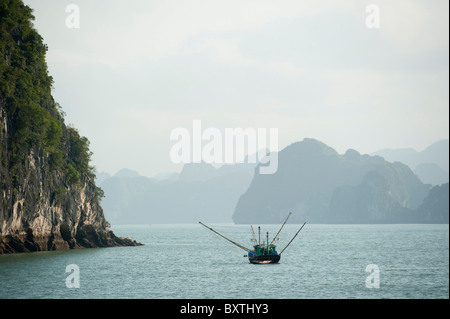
262 252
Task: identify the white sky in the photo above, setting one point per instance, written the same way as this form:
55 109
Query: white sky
135 70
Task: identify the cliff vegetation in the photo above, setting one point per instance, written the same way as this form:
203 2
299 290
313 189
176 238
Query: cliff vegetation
49 199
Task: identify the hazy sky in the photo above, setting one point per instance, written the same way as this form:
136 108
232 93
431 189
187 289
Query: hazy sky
135 70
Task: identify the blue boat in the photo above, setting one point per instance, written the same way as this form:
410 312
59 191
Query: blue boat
262 252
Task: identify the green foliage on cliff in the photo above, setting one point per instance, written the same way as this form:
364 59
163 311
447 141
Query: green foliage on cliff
24 83
79 154
35 122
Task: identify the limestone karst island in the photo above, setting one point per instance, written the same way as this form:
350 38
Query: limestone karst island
48 195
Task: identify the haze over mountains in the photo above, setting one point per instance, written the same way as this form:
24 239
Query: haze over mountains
321 186
313 181
199 192
431 165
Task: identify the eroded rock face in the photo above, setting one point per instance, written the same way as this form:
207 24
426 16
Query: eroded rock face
35 217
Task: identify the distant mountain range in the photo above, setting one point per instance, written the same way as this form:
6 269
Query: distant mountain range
321 186
435 207
313 181
199 192
431 165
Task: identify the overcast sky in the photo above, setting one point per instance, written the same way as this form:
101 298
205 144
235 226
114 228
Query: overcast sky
135 70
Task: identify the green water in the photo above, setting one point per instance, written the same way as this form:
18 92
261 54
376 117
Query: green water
189 261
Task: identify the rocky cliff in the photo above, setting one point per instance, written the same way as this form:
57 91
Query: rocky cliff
48 197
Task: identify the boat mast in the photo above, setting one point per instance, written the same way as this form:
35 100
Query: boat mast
259 236
281 228
292 239
240 246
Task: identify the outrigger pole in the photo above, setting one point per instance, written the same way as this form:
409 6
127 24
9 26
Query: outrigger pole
292 239
240 246
281 228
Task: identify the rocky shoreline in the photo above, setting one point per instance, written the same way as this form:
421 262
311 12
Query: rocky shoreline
87 237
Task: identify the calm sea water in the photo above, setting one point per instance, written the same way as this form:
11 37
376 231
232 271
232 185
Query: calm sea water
189 261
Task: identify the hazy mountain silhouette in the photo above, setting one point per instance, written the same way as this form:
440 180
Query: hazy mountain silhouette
201 192
313 181
166 176
435 153
319 185
435 207
126 172
431 173
100 177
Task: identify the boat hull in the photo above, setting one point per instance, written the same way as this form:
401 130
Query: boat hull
264 259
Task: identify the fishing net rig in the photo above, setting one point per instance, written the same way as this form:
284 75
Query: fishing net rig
254 238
